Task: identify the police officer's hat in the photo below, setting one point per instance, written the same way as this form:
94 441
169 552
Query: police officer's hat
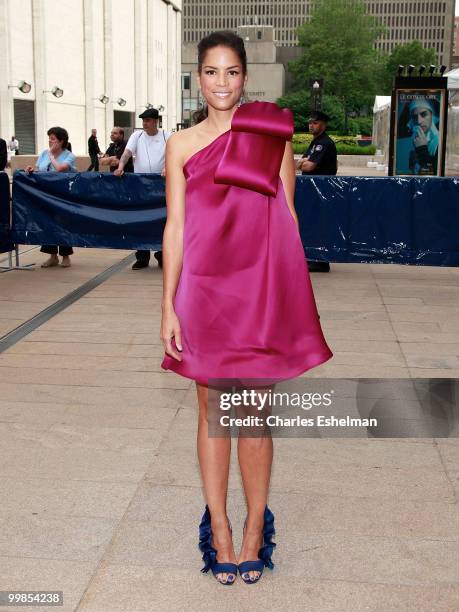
318 116
150 113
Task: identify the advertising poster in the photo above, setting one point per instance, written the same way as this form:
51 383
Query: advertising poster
419 129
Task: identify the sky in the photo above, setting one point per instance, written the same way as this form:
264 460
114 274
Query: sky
457 7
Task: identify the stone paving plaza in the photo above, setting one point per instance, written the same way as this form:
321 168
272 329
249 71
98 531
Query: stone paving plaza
101 490
101 493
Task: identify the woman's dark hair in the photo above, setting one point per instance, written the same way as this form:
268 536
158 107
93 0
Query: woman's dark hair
61 134
219 39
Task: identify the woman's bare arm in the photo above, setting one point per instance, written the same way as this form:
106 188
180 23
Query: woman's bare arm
288 177
173 243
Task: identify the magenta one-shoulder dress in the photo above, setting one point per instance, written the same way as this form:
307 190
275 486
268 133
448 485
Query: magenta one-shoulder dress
244 299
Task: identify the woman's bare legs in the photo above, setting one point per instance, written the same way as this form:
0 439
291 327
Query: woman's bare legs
255 460
214 459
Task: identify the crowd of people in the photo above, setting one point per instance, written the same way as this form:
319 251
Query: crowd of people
144 152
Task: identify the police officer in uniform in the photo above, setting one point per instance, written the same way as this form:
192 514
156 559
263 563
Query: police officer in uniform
319 159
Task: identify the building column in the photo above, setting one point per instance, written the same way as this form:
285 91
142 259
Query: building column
178 67
89 65
39 60
171 68
108 64
151 52
6 93
140 55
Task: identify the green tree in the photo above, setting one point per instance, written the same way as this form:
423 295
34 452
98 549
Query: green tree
299 102
338 43
406 54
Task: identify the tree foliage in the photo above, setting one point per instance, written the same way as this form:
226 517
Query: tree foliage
406 54
339 46
338 43
299 102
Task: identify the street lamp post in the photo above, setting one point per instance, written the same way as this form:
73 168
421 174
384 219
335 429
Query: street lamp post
316 86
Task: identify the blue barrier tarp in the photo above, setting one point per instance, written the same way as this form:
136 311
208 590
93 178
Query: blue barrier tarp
89 209
407 220
5 236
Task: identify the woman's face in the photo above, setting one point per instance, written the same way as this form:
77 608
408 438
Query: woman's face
222 79
54 142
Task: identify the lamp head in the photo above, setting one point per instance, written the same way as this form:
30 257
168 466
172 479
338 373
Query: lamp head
24 87
57 92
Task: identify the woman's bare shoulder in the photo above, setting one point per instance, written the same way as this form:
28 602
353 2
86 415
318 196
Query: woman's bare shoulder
184 142
182 137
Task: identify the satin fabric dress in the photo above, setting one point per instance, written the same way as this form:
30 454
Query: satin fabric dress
244 299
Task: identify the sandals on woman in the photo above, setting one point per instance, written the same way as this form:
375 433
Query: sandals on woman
210 554
264 554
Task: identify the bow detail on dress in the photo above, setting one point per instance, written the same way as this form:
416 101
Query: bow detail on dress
254 150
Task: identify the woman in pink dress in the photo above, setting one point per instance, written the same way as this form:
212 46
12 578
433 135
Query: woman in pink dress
237 298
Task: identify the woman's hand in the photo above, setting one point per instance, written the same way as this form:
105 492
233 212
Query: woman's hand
420 138
54 149
170 328
118 172
29 169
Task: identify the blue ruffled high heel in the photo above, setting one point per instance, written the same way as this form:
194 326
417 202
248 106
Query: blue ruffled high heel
210 554
264 554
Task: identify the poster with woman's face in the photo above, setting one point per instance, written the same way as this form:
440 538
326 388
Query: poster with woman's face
418 145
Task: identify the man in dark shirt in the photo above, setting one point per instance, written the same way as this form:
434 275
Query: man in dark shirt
3 154
320 159
114 152
94 151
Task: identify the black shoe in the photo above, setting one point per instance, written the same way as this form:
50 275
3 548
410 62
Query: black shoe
159 258
318 266
138 265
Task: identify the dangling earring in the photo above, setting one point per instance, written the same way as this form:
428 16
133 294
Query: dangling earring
242 99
